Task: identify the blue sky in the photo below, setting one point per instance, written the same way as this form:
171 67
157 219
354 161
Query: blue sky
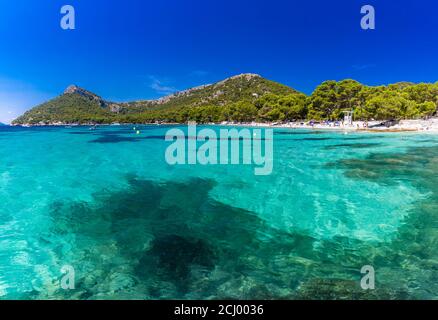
137 49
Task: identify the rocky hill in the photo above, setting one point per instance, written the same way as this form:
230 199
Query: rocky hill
245 98
77 105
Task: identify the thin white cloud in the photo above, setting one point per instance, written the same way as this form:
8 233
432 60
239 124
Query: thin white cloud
160 87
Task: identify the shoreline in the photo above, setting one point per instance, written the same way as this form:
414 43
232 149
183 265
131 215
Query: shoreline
420 126
333 128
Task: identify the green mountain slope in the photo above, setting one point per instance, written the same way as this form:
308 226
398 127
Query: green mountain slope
245 98
241 87
78 105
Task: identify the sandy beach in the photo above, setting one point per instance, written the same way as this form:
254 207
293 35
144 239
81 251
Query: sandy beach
430 125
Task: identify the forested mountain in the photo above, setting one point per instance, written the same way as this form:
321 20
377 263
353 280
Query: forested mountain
244 98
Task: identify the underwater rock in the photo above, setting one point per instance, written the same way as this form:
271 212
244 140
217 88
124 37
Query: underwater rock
338 289
119 282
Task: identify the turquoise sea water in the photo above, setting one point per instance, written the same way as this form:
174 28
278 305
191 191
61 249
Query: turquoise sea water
106 202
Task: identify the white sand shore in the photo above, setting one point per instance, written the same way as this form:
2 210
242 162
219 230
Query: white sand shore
424 126
430 125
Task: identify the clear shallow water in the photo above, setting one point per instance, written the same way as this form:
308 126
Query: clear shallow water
106 203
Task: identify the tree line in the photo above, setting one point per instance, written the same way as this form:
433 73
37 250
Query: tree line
247 103
329 100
